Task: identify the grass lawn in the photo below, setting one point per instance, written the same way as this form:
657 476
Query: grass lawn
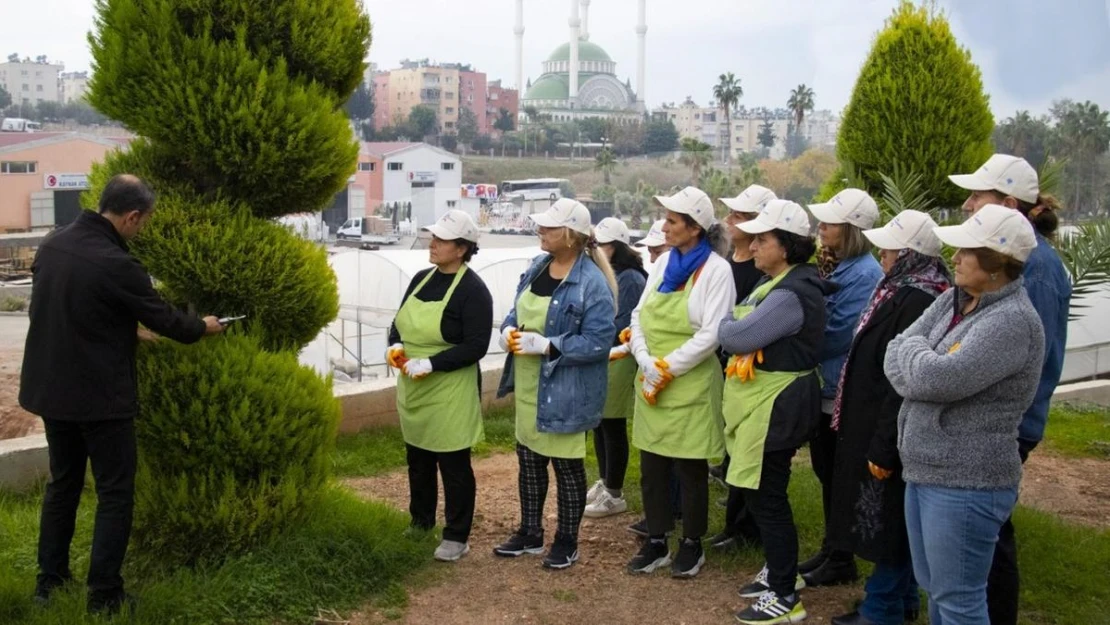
1079 431
349 553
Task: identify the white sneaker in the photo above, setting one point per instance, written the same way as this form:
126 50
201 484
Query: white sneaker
450 551
595 490
606 505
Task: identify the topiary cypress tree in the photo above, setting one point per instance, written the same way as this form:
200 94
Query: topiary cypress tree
239 107
918 104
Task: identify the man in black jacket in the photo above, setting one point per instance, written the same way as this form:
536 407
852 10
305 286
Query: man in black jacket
78 374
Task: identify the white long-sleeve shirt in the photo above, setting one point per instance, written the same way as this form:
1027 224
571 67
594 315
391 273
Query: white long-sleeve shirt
711 298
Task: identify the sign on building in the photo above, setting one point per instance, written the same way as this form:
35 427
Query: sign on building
65 181
423 176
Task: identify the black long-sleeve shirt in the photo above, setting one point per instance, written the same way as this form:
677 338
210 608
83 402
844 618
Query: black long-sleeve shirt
466 322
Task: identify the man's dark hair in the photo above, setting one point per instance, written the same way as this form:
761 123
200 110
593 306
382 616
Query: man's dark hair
125 193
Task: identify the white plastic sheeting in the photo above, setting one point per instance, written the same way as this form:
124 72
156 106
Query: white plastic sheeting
1088 352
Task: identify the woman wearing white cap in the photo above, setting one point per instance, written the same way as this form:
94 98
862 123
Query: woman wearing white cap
772 396
843 220
868 496
558 335
739 524
1012 182
967 370
606 497
655 241
440 333
678 411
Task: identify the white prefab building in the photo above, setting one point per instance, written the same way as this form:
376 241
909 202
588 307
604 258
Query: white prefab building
425 175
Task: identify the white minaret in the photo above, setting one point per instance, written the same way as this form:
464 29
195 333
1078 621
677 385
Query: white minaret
518 30
574 24
585 20
641 63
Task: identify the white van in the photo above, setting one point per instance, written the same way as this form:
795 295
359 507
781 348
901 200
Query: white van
18 124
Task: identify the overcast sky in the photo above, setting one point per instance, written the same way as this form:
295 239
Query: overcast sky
1030 51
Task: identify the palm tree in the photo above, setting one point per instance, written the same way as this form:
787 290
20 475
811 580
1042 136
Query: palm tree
727 93
606 162
695 155
800 102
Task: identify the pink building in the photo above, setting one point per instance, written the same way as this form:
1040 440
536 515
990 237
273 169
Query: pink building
382 103
472 95
497 98
42 176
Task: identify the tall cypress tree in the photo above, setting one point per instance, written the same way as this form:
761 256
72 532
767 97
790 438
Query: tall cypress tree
918 104
239 108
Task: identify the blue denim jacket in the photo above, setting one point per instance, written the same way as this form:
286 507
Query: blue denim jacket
1048 287
580 326
857 278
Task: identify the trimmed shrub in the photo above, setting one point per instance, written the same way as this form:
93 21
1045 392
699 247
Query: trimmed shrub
919 104
234 444
239 105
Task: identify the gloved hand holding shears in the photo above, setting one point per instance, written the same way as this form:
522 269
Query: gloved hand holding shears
524 343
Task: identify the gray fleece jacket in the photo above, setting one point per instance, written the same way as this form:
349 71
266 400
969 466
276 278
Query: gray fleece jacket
966 389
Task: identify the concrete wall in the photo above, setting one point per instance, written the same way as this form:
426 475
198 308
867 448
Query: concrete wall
24 461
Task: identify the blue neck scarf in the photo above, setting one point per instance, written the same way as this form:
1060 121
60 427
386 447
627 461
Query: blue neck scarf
681 266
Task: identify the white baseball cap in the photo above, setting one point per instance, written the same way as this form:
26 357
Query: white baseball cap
909 230
750 200
455 224
779 215
690 201
994 227
1006 174
850 206
655 236
565 213
611 229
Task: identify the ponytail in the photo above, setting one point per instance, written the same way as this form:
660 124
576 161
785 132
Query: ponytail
1043 215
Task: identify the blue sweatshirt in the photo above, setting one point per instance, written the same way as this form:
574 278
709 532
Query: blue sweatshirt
1049 288
857 278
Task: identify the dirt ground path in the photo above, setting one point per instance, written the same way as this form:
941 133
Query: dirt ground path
485 589
596 590
14 421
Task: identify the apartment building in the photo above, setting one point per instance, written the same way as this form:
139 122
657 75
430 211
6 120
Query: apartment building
31 81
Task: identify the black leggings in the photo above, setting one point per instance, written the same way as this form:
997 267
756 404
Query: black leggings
611 447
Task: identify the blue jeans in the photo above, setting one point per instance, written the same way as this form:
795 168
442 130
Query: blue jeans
891 592
952 536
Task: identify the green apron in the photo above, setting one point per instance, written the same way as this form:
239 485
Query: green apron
685 421
622 388
531 314
440 412
748 406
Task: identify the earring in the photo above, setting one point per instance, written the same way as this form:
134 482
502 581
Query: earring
994 277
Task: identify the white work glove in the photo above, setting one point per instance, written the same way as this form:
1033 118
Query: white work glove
530 344
653 374
503 341
645 362
418 368
395 355
647 388
619 352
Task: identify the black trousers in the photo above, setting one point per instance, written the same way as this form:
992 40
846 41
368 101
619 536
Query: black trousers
110 446
739 521
770 506
655 485
459 490
611 447
570 481
822 455
1004 580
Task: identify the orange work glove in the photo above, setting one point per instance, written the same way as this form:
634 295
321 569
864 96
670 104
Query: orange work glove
878 472
395 356
625 336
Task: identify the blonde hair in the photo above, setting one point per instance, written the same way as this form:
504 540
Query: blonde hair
588 243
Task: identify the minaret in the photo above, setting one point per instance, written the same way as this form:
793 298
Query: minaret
518 30
585 20
574 24
641 63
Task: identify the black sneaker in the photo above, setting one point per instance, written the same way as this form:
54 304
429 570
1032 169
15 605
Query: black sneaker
832 573
520 543
110 603
639 528
722 541
759 586
45 587
563 554
813 563
689 560
653 555
771 609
